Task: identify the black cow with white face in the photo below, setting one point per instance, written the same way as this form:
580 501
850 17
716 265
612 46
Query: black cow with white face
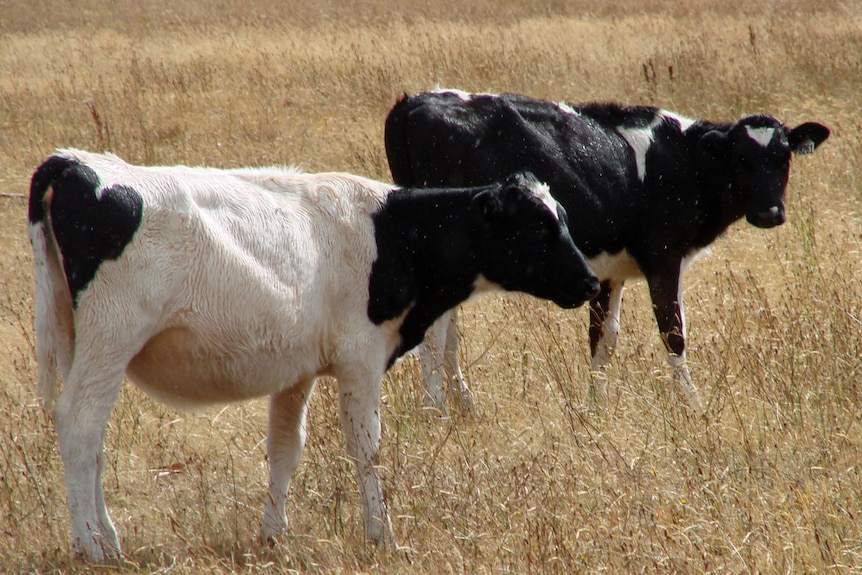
645 191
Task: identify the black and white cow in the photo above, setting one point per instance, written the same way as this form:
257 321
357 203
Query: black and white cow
645 190
205 285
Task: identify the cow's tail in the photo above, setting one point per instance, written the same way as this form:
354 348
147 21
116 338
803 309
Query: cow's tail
395 139
53 314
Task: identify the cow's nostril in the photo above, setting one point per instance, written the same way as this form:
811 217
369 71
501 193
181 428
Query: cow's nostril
774 216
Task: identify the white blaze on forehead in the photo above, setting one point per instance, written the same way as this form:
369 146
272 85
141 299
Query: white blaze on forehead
760 135
543 192
640 140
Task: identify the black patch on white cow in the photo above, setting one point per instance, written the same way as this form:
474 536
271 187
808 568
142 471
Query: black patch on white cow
433 244
91 226
414 231
43 177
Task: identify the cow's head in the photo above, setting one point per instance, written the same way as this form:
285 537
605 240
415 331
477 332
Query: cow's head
523 243
759 149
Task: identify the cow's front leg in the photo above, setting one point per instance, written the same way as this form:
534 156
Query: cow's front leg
604 331
284 444
359 396
666 293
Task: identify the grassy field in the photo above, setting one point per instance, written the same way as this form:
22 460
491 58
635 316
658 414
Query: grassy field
534 479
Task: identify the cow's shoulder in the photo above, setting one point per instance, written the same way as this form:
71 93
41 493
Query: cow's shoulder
612 115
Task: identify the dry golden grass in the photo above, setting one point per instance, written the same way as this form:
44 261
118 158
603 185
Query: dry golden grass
531 481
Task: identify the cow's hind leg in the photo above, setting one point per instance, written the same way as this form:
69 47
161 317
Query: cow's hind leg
439 359
451 366
286 439
80 416
431 359
604 331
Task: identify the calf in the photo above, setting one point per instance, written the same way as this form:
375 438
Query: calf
646 190
205 285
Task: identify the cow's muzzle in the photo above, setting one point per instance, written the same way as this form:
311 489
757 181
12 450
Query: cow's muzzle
768 218
589 285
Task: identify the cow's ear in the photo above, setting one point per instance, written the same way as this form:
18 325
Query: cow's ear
513 194
805 138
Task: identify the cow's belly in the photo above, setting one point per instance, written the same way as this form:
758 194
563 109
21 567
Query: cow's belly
178 368
619 266
622 266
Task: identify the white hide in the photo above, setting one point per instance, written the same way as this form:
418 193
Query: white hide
237 284
291 248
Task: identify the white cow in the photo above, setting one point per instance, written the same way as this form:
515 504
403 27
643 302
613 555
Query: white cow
205 285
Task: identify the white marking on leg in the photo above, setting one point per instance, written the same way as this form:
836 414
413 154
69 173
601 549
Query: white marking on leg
692 257
681 374
607 342
682 377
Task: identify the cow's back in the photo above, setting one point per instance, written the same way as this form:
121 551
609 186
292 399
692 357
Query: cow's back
230 271
448 138
281 234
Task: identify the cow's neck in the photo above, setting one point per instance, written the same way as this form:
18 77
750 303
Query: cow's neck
425 264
